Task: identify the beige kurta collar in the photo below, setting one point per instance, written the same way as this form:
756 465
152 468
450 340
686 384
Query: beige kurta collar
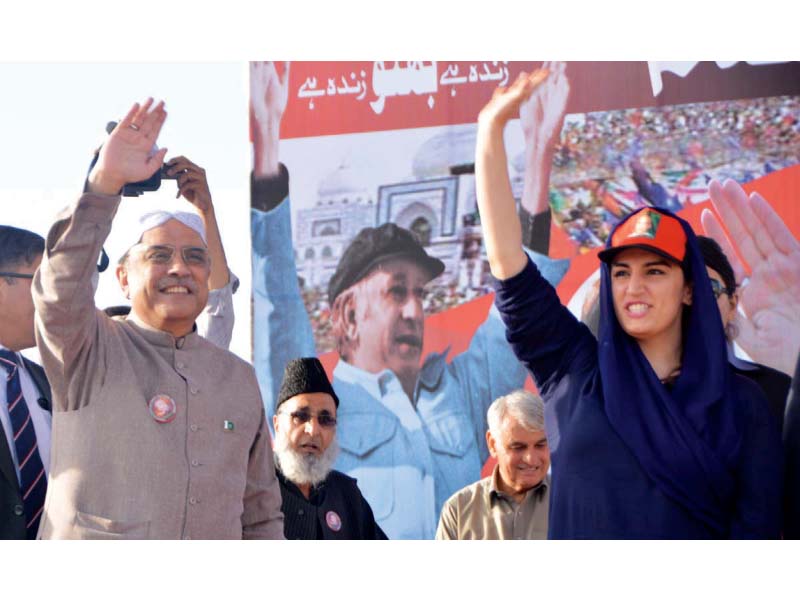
160 338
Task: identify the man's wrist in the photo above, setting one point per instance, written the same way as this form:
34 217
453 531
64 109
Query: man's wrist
541 152
266 166
266 155
100 182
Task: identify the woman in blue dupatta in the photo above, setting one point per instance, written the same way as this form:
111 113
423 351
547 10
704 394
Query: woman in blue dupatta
652 435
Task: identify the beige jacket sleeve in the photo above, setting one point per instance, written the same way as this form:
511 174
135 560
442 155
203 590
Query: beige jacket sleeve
66 322
262 518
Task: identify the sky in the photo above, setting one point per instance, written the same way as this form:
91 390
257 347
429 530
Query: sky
53 116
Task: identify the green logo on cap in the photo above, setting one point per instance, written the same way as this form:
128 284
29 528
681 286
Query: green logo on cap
646 224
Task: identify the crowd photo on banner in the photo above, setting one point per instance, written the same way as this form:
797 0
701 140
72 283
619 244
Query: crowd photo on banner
489 300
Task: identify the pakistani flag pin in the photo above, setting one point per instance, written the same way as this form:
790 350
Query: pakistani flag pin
227 425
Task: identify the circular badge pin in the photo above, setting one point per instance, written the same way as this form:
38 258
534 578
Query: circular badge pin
333 520
162 408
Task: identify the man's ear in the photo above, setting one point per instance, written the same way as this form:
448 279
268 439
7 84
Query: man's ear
348 315
275 422
122 277
490 443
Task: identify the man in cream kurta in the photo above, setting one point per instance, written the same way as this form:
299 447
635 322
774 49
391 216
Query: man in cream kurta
197 463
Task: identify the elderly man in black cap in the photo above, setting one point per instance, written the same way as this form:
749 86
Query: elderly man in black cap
318 502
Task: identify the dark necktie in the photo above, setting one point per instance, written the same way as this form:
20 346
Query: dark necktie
33 482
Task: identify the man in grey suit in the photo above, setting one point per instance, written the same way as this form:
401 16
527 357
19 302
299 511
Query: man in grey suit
25 425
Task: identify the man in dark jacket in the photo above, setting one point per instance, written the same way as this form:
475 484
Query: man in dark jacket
318 503
25 414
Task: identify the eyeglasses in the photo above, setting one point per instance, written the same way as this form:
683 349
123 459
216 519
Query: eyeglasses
16 275
301 417
718 289
162 254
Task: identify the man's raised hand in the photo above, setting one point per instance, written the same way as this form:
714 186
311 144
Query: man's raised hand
126 156
542 115
770 330
269 93
192 182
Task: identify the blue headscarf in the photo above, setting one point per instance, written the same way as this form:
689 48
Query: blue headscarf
686 438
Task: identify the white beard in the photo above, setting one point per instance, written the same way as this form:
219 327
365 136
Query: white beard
301 468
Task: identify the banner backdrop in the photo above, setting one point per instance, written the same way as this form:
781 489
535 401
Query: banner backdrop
369 143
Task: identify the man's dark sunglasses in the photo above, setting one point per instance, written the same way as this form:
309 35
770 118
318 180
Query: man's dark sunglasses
16 275
718 289
301 417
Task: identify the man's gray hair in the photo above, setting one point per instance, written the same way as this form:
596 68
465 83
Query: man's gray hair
527 408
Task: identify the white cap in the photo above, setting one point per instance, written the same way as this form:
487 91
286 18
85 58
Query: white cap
158 217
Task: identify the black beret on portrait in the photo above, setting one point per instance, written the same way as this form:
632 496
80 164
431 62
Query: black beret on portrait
374 245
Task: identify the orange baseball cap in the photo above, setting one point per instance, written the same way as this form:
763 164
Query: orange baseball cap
651 230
